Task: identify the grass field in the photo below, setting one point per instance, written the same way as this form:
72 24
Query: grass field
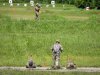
21 35
9 72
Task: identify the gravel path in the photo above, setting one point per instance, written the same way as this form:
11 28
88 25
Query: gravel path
81 69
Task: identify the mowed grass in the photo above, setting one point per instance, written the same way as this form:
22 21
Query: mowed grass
20 35
14 72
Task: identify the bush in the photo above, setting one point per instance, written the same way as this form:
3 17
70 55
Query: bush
98 5
84 3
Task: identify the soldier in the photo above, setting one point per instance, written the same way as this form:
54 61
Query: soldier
56 49
70 65
30 63
37 9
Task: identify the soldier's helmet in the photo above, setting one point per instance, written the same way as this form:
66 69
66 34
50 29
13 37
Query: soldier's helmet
57 41
38 5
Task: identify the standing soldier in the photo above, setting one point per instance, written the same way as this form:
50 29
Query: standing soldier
37 9
56 49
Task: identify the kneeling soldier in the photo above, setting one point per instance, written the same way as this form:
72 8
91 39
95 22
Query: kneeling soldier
71 65
30 63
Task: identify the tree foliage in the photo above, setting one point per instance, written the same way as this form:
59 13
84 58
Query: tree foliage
85 3
78 3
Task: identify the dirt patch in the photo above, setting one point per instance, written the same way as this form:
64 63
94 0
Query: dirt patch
81 69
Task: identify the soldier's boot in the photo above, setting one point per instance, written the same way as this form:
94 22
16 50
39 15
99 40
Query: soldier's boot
27 66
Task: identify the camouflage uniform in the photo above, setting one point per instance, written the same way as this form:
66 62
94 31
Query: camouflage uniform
71 65
56 49
37 9
30 63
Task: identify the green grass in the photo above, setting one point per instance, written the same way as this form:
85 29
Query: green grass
10 72
21 35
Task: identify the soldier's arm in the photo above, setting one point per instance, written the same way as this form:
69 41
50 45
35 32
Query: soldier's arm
52 48
61 48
